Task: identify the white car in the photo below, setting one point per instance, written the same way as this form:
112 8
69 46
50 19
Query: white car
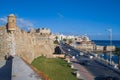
91 57
81 53
68 49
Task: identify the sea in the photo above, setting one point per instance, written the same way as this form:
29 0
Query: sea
106 56
115 43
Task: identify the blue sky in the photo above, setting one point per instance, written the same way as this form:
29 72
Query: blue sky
78 17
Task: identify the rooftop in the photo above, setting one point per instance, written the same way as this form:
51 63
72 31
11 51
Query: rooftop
11 15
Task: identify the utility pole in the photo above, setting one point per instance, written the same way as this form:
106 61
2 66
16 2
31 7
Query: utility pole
110 30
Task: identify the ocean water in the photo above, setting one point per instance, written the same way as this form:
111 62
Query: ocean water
107 42
106 56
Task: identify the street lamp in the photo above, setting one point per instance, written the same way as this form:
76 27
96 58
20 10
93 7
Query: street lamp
110 30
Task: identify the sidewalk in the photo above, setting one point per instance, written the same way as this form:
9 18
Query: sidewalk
21 71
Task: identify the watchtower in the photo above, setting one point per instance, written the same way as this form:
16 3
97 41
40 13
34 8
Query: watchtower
11 26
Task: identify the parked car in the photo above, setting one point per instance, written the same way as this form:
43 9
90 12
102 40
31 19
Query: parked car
81 53
85 62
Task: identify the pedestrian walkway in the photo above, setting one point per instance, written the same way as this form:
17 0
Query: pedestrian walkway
85 75
21 71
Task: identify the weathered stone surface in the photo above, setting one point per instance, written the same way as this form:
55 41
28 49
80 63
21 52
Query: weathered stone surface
28 45
4 42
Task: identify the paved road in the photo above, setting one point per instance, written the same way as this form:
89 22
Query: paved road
96 69
84 74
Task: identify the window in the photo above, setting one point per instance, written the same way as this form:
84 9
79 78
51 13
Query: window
12 20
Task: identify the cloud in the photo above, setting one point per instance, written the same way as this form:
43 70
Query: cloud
21 22
99 34
60 15
24 24
3 20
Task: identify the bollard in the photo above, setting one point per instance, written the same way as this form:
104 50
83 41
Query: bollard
107 60
68 60
72 66
116 66
78 75
73 57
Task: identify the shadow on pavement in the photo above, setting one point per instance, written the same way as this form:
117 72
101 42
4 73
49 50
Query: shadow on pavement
106 78
6 70
75 62
99 78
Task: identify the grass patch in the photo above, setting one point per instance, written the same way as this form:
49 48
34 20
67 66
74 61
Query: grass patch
55 68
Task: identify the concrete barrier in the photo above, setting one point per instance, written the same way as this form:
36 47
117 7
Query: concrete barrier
59 55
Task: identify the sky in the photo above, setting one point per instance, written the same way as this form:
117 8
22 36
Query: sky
71 17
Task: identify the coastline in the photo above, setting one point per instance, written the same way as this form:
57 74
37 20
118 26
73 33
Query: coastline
115 43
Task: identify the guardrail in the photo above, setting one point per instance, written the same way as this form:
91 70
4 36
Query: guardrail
108 65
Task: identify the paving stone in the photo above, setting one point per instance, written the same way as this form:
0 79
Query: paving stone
21 71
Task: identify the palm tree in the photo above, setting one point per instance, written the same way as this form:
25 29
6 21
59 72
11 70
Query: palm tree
56 40
64 40
70 41
56 37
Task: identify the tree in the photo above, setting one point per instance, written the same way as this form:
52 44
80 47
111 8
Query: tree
70 41
56 42
64 40
117 51
56 37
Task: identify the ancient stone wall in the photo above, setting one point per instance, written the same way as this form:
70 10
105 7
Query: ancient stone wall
32 45
27 45
4 42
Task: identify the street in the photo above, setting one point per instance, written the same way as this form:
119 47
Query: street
94 68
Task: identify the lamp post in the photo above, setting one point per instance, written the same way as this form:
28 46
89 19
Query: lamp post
110 30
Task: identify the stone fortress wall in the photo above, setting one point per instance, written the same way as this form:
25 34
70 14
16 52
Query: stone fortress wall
28 45
4 47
